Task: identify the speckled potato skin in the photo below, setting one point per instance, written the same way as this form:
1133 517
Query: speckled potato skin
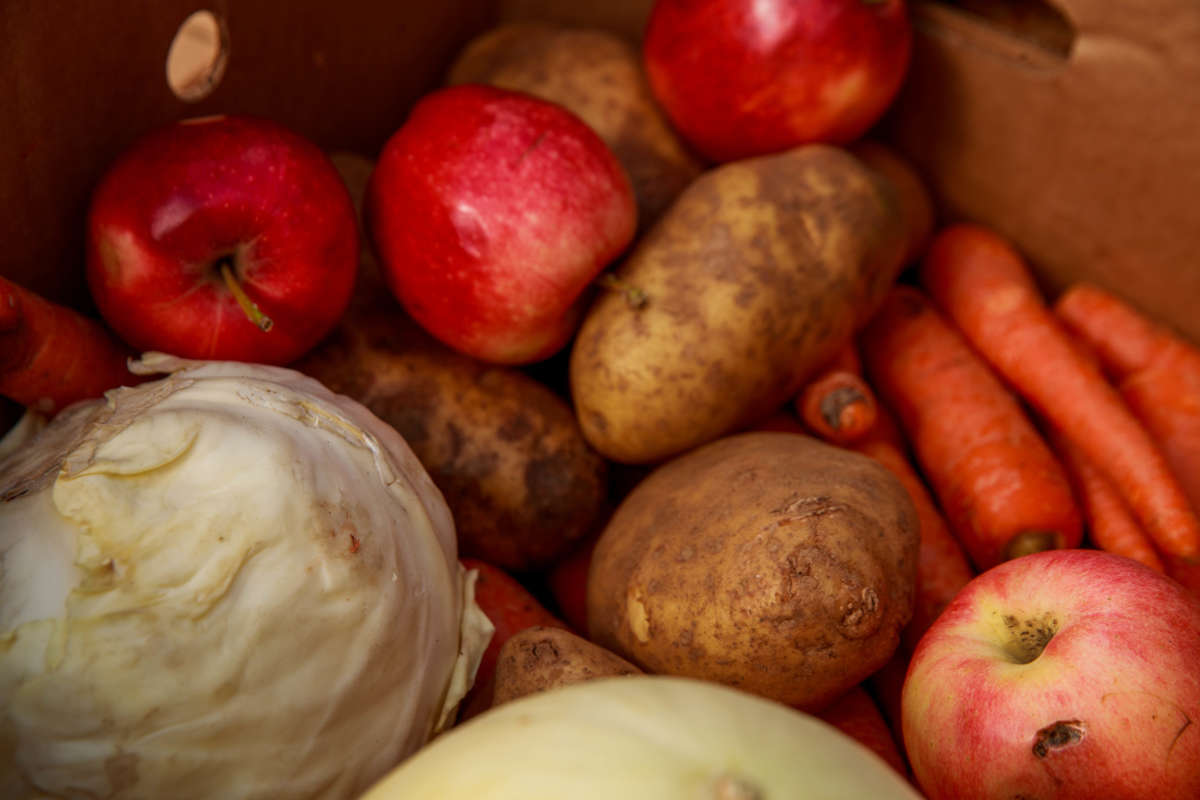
771 562
757 273
506 451
599 77
541 658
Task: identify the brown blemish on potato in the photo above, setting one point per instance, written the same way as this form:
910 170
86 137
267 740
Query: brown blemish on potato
637 616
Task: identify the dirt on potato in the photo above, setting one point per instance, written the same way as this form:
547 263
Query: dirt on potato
753 278
771 562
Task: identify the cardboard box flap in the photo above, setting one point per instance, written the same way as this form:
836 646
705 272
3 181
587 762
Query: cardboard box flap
1087 156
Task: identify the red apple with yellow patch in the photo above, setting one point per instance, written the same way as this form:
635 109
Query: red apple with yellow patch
1066 674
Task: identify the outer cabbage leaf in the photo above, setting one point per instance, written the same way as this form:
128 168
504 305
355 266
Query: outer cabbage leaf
226 583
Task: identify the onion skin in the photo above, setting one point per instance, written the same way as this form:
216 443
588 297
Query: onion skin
642 737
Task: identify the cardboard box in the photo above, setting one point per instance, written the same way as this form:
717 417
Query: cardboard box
1086 153
80 81
1073 127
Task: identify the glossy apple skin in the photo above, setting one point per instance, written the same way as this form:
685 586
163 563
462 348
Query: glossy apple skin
492 213
1123 668
740 78
185 196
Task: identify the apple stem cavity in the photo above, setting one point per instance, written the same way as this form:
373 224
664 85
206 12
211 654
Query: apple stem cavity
1029 637
249 308
634 295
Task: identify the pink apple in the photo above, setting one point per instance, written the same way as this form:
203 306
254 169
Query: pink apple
492 212
1064 674
222 237
740 78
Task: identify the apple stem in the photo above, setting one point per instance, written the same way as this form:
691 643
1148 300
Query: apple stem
634 295
252 311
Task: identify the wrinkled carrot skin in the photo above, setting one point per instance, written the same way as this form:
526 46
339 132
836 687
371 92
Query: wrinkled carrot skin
1156 371
1111 526
1123 338
942 566
984 285
856 715
1001 489
52 356
838 406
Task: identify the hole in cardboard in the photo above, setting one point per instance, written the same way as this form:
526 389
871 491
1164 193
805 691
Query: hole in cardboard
197 57
1038 22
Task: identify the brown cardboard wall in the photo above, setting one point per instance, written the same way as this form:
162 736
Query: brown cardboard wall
79 81
1089 159
1085 152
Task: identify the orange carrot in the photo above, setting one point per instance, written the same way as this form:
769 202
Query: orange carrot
1001 489
837 405
983 284
52 356
942 565
1156 370
1111 526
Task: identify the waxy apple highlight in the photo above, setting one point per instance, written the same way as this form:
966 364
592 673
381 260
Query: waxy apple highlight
492 212
740 78
1064 674
226 238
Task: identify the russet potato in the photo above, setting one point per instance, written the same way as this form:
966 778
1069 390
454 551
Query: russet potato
768 561
504 449
753 278
540 658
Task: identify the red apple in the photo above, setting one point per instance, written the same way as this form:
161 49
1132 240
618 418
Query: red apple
1063 674
492 211
227 238
740 78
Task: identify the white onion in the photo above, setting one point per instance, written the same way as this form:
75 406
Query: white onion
643 737
226 583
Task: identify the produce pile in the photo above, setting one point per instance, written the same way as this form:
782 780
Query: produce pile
630 425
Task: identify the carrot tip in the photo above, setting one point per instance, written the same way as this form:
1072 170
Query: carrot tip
1028 542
